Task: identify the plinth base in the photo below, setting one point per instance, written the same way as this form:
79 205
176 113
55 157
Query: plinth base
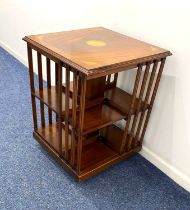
89 168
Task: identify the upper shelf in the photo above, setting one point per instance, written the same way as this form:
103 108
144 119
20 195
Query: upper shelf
94 118
100 116
121 100
95 49
50 97
117 107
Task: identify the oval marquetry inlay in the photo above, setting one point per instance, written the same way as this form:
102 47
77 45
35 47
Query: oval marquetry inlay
154 49
95 43
89 62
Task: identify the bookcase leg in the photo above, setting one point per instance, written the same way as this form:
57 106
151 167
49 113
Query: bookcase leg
81 122
31 74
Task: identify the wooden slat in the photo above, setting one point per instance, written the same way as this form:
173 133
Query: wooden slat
81 122
74 108
110 84
115 78
138 106
135 89
31 74
56 81
40 81
146 100
49 86
67 88
153 98
59 115
108 78
56 74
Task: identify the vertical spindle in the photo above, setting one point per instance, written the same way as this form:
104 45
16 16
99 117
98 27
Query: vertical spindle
49 86
115 79
59 115
40 81
56 82
32 88
74 110
108 79
67 89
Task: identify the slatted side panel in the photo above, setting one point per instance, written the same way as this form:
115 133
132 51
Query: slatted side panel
129 116
145 88
42 64
141 94
72 122
152 99
58 106
147 96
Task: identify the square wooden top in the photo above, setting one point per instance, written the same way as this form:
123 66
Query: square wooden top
94 50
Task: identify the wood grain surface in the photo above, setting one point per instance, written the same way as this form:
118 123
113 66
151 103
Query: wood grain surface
94 49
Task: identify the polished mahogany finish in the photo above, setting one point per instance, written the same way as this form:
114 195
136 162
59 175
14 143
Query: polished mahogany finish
80 128
121 100
100 116
95 48
50 97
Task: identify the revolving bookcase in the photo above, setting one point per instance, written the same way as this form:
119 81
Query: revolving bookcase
76 112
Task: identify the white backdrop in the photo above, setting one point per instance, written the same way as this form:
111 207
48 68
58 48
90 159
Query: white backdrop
162 23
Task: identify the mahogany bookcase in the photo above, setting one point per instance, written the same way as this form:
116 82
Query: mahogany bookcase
80 104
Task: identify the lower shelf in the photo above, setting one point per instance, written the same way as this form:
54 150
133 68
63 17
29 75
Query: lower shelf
50 135
93 152
50 96
121 100
97 155
112 136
